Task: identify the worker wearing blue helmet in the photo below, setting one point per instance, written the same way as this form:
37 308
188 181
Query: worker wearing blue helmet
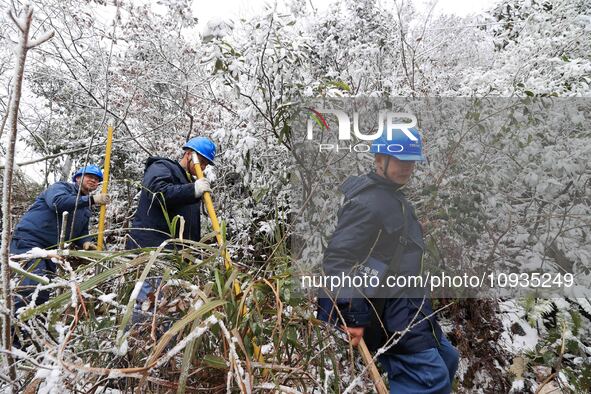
204 147
41 225
168 190
378 228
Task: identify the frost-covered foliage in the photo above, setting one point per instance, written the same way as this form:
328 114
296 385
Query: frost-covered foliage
517 200
539 46
492 196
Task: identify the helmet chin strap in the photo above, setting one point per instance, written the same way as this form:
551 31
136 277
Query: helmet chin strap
386 167
386 173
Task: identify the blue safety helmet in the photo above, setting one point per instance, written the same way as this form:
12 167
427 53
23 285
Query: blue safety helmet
91 169
400 145
204 146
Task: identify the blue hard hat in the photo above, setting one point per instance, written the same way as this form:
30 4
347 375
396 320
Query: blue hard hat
400 144
91 169
204 146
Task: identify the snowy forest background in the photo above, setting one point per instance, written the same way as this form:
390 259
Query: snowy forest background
158 79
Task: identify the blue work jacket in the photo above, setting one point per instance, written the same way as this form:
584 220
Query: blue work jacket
376 219
167 191
41 225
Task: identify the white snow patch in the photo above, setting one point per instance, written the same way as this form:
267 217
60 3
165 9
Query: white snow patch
136 290
217 28
19 353
516 343
35 253
121 350
51 382
267 349
517 386
266 228
61 330
107 298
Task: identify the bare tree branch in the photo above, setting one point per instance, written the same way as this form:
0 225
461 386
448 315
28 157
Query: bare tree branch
17 21
48 35
53 156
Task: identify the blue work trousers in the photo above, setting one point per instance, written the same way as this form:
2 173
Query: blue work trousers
428 372
45 267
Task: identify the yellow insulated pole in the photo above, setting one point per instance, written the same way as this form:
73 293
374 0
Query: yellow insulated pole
214 222
103 212
218 235
374 373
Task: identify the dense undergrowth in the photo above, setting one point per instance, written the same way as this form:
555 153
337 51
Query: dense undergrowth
190 335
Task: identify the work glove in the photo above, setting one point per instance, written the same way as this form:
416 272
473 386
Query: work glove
88 246
201 186
100 199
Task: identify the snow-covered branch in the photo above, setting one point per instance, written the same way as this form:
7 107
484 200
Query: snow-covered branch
46 36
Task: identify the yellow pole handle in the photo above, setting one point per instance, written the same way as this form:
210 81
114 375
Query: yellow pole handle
214 219
374 373
218 235
103 212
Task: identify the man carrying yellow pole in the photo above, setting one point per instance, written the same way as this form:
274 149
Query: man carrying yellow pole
168 190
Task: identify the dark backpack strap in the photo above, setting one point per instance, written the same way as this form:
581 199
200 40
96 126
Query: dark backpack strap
375 335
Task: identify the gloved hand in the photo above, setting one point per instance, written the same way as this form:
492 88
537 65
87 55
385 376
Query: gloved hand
88 246
101 199
201 186
355 334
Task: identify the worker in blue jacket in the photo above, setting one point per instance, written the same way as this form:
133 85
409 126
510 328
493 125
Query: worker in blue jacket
168 190
378 232
42 224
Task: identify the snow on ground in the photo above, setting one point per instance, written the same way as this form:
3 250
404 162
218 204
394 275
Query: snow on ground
512 313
